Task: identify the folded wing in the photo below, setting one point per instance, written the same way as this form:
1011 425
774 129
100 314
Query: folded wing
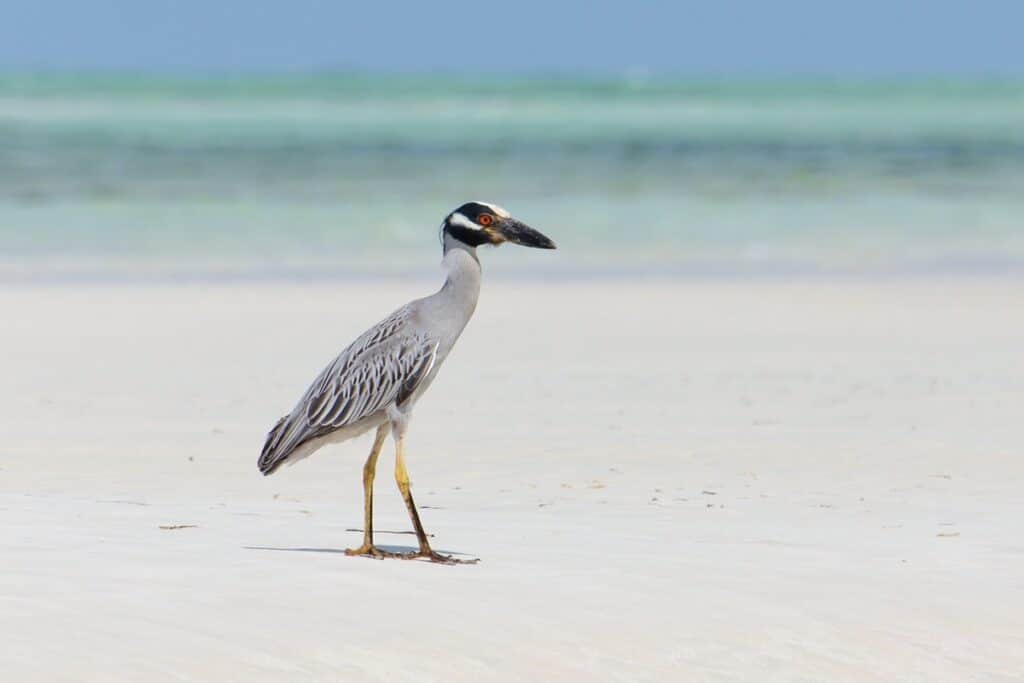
382 367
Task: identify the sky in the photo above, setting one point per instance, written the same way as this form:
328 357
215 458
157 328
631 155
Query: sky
862 38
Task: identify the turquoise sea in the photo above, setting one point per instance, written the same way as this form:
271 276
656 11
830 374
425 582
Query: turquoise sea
336 175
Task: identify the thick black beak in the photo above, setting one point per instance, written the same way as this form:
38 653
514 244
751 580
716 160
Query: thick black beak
520 233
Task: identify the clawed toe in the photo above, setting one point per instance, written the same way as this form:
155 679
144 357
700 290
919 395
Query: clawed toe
429 555
439 558
371 551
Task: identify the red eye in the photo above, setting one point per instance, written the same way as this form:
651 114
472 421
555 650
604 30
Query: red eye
485 219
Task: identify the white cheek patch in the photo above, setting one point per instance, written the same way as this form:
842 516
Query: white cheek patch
463 222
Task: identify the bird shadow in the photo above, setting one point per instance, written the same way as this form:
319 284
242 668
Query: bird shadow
405 549
385 531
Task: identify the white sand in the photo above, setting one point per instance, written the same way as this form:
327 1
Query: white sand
665 482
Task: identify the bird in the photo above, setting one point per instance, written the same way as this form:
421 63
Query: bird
377 380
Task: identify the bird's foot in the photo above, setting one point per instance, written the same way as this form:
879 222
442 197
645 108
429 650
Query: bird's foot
371 551
428 554
434 556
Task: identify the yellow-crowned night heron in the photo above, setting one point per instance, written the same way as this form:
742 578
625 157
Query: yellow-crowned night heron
377 380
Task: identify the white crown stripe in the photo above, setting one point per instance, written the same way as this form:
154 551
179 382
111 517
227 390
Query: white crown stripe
497 210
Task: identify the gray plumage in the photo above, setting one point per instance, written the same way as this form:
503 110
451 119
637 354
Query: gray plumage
380 369
386 368
376 381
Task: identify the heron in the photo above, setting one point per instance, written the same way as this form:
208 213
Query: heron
376 382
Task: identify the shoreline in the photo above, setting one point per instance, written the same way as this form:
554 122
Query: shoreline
981 271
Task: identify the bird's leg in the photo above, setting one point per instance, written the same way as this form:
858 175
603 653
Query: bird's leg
367 548
402 479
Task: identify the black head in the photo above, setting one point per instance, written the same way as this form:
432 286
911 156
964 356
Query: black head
477 223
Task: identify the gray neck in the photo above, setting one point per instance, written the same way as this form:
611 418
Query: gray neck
462 286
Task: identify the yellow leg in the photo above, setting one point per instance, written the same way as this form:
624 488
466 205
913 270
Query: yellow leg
369 469
402 479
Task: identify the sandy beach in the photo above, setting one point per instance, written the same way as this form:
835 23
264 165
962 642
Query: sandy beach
665 481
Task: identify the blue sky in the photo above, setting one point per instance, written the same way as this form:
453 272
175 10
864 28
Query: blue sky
772 38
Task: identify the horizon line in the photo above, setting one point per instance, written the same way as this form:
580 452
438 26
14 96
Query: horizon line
628 76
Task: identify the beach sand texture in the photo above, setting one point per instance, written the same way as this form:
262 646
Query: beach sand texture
665 481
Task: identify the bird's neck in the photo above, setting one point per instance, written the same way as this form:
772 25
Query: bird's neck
463 272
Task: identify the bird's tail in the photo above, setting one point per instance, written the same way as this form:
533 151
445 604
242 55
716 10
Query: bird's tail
273 456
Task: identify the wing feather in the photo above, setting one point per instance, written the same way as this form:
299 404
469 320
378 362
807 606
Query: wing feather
383 366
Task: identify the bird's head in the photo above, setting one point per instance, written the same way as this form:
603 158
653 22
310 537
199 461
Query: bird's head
476 223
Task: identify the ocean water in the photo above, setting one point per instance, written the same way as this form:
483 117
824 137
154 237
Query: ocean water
338 175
